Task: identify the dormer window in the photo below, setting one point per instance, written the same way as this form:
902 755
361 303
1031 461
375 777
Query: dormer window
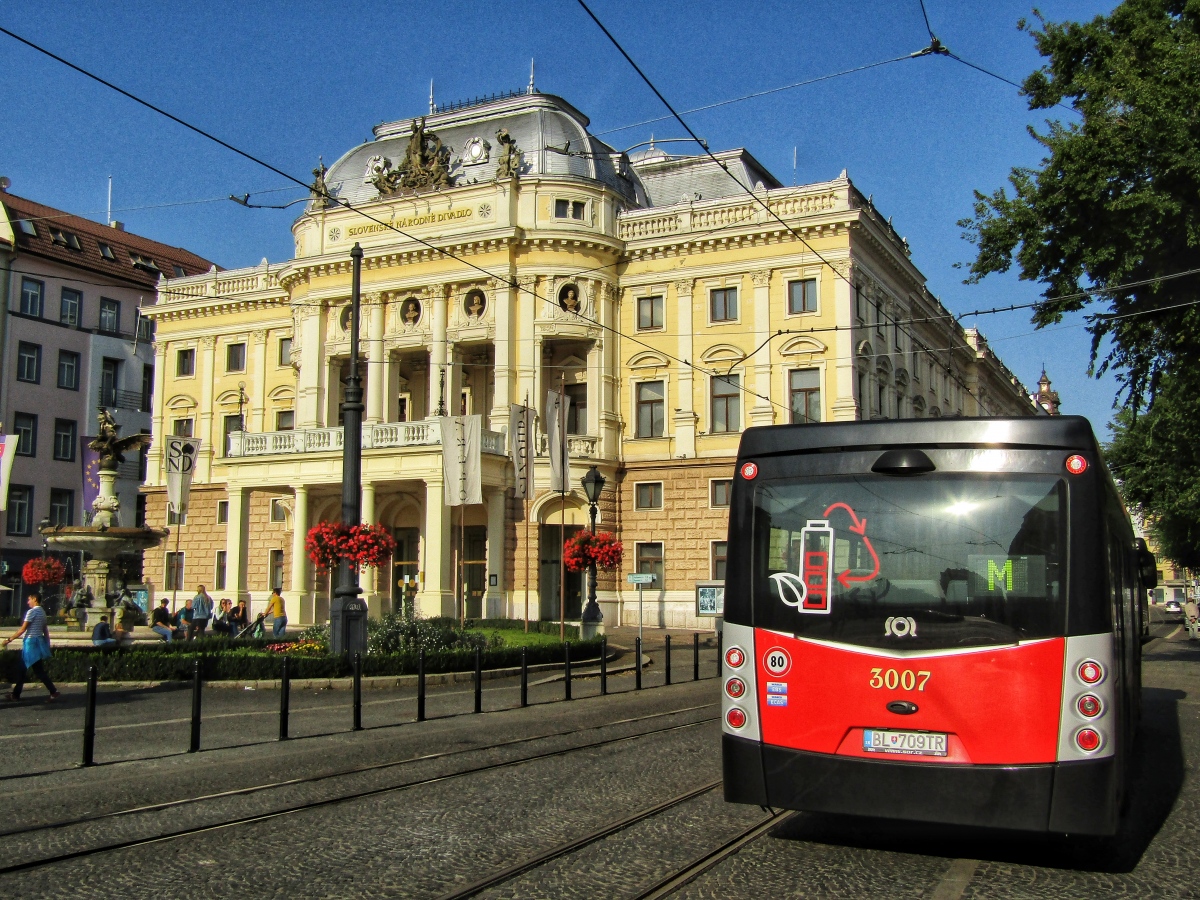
58 236
178 270
145 263
26 227
107 251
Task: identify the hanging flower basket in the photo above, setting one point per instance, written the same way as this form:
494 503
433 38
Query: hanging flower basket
43 571
365 546
584 548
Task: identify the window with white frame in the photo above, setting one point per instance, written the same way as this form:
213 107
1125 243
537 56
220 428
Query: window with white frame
723 305
220 564
29 362
275 570
649 561
69 306
648 495
650 313
33 293
222 512
235 357
802 296
185 363
719 492
173 571
651 408
278 510
718 553
20 510
804 390
726 404
68 369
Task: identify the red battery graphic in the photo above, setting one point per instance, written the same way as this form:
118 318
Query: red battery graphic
816 570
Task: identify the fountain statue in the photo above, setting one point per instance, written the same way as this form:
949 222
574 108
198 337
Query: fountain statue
105 539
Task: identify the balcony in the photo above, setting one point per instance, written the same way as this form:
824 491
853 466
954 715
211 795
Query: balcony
116 399
329 440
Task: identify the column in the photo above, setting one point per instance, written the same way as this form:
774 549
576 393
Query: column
528 357
762 412
387 391
154 471
608 406
494 605
306 340
373 305
437 355
369 578
502 313
436 597
297 601
683 398
840 381
204 427
236 534
595 359
256 381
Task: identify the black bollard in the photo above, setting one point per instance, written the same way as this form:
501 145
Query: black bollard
695 656
89 719
478 680
285 697
637 663
357 692
720 655
197 686
603 666
421 686
524 678
667 657
566 671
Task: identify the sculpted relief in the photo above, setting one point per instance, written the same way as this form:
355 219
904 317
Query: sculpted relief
425 165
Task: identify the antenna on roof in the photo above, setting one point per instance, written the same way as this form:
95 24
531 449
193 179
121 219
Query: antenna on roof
108 215
431 96
532 89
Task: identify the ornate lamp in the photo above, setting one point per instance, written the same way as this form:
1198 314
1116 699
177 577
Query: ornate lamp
593 484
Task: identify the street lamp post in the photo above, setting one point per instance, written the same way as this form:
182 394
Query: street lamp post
590 621
348 613
241 404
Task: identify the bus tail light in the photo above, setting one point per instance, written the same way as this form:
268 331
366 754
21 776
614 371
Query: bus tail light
1091 672
735 688
1088 739
1087 697
734 657
739 689
736 717
1089 706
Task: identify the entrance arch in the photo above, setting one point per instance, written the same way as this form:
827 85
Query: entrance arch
558 518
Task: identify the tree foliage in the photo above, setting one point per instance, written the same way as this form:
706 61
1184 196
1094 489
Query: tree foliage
1116 199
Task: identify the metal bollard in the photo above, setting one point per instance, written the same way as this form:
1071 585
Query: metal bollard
637 663
357 692
285 697
478 680
603 666
197 686
421 686
720 653
89 719
566 671
695 656
667 657
524 678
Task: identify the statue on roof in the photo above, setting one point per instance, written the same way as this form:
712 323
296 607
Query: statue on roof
426 164
320 190
508 163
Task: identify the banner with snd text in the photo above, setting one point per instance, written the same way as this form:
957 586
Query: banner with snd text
521 448
180 458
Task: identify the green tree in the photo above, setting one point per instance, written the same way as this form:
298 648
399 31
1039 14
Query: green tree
1116 199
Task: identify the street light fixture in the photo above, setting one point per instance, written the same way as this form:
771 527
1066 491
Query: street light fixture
241 403
593 484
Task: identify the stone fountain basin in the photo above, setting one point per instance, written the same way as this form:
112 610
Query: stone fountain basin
104 545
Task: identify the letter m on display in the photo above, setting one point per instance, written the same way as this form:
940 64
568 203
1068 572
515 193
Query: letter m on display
994 571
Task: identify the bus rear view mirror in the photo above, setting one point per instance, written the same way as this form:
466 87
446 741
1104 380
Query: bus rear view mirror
1147 565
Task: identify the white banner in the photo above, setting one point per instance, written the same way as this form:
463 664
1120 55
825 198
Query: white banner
181 454
461 461
8 452
556 440
521 435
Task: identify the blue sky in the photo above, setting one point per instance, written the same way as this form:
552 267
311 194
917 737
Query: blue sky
289 81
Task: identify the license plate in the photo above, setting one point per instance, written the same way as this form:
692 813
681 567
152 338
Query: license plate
910 743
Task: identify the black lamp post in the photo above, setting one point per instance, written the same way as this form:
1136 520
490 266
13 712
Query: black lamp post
593 484
241 405
347 612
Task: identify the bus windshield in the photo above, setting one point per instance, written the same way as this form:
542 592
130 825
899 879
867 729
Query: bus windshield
922 563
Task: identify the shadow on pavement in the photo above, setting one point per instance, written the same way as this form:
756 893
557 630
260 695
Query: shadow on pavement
1156 777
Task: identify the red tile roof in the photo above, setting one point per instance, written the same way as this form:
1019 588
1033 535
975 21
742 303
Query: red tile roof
91 235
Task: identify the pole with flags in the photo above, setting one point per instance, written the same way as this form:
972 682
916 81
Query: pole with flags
520 419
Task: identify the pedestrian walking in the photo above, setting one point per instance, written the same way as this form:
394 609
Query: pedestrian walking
202 609
35 650
277 609
1191 618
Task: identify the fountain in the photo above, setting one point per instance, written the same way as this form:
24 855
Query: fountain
104 540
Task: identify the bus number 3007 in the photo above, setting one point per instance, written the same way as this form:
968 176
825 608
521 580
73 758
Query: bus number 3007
906 679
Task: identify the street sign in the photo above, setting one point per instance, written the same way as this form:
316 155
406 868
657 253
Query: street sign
640 578
710 598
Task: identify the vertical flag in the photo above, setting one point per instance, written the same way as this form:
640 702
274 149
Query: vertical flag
8 451
556 439
91 472
181 453
520 434
462 463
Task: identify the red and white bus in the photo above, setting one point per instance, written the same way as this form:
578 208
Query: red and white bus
933 620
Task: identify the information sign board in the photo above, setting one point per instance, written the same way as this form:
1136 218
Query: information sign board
710 598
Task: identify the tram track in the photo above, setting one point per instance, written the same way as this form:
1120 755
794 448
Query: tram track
341 798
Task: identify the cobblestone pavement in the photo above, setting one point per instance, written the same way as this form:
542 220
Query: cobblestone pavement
423 840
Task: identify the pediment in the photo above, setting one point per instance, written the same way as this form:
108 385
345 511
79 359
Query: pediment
648 360
800 345
181 401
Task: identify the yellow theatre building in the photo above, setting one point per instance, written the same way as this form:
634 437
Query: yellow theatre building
507 252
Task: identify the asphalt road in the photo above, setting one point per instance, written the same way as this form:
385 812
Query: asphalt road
441 803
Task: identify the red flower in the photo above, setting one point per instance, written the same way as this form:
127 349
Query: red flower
584 548
365 546
43 571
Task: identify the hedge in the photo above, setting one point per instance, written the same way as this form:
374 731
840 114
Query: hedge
572 631
175 663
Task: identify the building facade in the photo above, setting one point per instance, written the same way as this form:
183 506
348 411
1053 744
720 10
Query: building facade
676 301
71 340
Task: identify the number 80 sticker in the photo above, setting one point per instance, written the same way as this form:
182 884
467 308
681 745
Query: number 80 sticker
776 661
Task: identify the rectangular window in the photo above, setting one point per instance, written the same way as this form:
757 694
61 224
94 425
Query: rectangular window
179 271
562 209
278 510
719 552
143 464
726 404
173 517
106 251
173 573
285 420
69 307
110 381
26 227
722 305
804 388
650 562
110 316
222 512
219 570
578 207
651 396
182 428
650 313
235 358
29 362
185 363
648 495
139 512
32 294
276 568
20 510
860 311
147 386
145 328
229 425
285 351
802 296
719 490
68 370
25 428
62 507
577 411
66 438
